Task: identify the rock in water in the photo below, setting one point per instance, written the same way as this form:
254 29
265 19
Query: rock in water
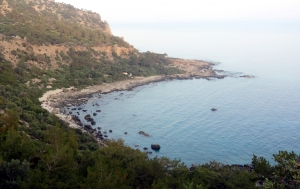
87 117
247 76
155 146
214 109
144 133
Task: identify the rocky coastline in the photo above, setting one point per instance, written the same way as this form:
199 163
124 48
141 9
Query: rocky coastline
55 100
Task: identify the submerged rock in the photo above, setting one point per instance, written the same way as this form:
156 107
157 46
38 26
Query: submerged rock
143 133
220 76
247 76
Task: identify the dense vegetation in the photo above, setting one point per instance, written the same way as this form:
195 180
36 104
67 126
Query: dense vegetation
46 27
57 24
37 150
84 69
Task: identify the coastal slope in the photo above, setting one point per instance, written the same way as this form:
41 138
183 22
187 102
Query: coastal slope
63 54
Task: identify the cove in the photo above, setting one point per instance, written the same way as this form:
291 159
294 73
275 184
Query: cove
252 118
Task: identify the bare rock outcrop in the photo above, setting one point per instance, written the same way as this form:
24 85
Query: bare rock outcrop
106 28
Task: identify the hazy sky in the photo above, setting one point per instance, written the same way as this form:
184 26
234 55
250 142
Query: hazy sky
206 26
121 11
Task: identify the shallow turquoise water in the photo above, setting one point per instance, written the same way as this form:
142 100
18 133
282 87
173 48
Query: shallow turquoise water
255 116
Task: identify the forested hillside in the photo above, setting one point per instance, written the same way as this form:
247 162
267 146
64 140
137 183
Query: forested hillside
47 22
52 45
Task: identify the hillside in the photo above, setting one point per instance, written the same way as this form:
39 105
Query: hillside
47 45
65 46
40 32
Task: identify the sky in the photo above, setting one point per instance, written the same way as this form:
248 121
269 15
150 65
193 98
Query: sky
166 26
158 11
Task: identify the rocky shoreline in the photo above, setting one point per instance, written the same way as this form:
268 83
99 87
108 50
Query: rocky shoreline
55 100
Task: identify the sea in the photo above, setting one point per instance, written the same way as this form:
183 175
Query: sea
259 115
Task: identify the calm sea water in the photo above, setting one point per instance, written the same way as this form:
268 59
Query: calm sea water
255 116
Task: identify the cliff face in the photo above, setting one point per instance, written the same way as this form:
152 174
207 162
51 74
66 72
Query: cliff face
106 28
